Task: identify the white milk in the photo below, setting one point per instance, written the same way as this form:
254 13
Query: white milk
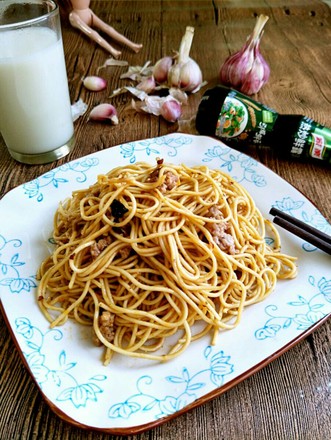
35 111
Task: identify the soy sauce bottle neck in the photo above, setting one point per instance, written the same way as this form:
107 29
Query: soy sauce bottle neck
300 137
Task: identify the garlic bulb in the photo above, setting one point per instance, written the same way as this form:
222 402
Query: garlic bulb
247 70
103 112
185 73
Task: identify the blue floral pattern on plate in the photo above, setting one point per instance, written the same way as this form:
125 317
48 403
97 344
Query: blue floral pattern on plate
227 159
126 394
81 394
240 166
56 177
306 311
187 383
35 352
154 147
9 267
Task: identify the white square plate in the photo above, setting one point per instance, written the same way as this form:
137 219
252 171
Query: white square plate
131 395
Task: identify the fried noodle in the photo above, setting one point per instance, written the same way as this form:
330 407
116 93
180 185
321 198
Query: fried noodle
147 253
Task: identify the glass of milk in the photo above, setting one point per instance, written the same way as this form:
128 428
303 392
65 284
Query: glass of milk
35 111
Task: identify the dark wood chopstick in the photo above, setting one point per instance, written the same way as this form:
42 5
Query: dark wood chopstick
302 230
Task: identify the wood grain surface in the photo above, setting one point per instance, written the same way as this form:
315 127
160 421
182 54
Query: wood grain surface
291 397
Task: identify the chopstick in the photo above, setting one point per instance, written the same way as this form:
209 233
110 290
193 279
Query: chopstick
302 230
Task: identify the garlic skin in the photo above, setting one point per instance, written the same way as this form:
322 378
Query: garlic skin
137 73
112 62
168 107
247 70
104 112
94 83
161 69
78 109
185 73
179 95
147 84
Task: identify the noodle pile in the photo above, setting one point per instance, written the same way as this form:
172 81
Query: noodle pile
147 252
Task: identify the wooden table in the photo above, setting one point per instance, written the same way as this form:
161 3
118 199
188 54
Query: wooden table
291 397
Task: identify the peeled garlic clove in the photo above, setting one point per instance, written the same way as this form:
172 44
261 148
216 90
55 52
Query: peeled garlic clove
94 83
171 110
161 69
103 112
247 70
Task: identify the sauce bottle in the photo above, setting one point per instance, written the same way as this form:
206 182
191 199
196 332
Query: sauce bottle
239 121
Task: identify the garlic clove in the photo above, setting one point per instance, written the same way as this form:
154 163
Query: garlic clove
259 74
171 110
264 64
161 69
174 75
187 76
226 69
94 83
104 112
238 66
247 70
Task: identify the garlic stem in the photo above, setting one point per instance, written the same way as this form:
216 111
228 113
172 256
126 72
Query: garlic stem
258 28
185 45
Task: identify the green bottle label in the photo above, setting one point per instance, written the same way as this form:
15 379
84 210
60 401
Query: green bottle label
243 119
312 139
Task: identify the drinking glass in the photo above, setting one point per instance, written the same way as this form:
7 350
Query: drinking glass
35 112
